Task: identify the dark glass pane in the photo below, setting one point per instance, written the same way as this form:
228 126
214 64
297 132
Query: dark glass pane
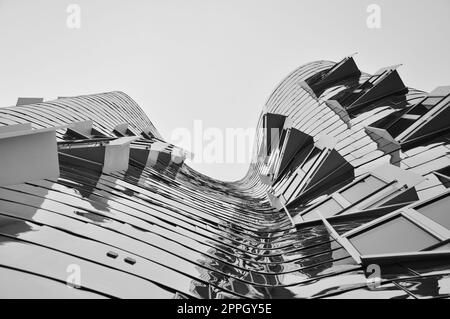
399 126
438 211
362 189
398 235
419 109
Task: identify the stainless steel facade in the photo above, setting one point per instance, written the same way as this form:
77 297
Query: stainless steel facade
350 180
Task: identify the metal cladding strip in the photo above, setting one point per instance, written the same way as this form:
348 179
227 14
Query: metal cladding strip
139 222
118 107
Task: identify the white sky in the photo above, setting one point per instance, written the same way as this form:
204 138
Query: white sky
217 61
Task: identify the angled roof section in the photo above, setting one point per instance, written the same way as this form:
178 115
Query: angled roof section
332 170
107 156
157 153
325 168
83 130
342 70
273 125
383 83
294 142
147 133
428 118
122 130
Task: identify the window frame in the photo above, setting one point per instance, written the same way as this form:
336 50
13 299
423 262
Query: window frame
385 193
425 118
412 215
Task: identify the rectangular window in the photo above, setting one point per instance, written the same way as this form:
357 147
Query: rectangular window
438 211
398 235
362 189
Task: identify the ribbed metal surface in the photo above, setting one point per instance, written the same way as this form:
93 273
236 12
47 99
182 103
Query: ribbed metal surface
165 230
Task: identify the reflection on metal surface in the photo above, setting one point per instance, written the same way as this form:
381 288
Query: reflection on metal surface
140 223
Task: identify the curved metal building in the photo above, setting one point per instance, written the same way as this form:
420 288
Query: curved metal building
347 197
